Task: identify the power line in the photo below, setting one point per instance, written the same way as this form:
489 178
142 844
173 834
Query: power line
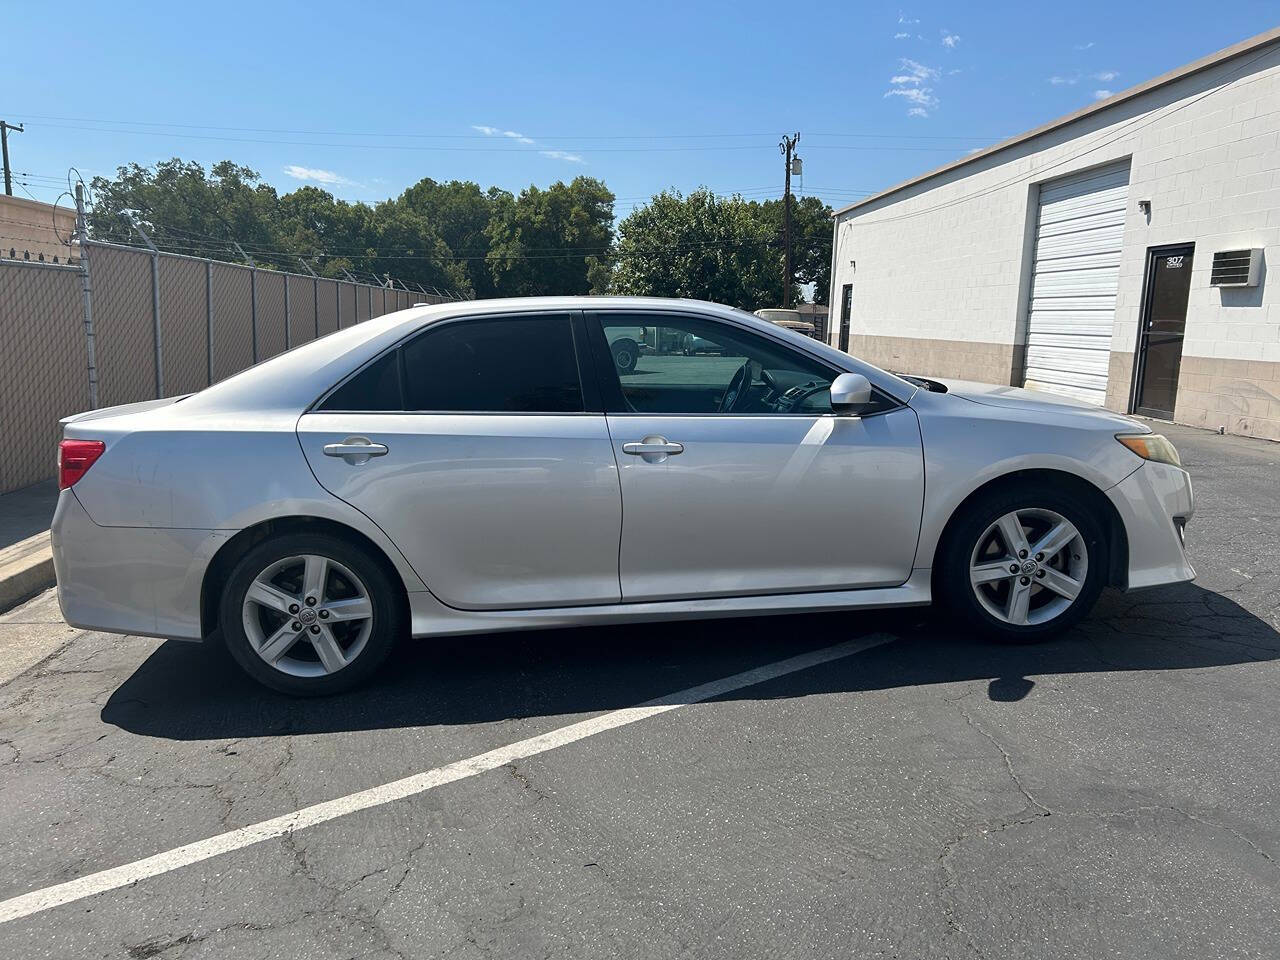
431 148
484 136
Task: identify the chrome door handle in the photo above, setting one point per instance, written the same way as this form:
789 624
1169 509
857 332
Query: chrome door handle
355 449
653 449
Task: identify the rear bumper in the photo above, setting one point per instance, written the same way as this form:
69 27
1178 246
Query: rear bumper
139 580
1155 501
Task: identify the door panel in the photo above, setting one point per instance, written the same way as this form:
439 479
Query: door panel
493 511
762 504
1164 324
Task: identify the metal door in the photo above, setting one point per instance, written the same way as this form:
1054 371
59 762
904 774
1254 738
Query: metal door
494 509
846 312
728 504
1160 334
752 505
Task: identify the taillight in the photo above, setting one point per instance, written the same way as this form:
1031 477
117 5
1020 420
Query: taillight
75 457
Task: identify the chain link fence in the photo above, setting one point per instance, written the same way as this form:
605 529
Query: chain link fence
162 324
42 365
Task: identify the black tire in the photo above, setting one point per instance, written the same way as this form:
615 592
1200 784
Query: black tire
952 579
385 600
626 354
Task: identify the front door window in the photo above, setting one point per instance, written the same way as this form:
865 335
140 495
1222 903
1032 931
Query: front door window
687 365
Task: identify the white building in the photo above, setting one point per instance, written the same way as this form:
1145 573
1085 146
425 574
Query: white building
1118 255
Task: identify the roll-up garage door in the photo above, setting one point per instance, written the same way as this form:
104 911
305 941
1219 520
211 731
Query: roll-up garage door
1079 229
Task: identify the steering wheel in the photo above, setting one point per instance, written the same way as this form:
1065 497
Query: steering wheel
769 381
737 389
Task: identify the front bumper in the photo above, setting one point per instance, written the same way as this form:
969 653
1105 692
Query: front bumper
1155 502
139 580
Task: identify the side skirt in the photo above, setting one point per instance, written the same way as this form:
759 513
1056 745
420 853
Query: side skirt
431 618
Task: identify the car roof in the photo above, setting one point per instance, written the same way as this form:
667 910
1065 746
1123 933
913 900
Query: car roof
293 380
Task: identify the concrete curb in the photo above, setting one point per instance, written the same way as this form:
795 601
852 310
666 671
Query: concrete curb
26 568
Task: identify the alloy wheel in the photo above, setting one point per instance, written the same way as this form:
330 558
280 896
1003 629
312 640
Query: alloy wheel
1029 566
307 615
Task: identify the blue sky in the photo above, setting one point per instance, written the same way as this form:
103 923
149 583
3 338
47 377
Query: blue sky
367 99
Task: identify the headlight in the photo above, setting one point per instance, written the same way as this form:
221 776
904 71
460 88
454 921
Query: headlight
1151 446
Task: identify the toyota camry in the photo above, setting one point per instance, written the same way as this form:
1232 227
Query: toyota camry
487 466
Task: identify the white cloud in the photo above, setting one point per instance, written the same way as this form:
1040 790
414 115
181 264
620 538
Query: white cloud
913 72
1058 81
316 175
907 21
1106 76
902 35
1101 94
1084 46
912 86
519 137
499 132
561 155
950 41
922 100
921 96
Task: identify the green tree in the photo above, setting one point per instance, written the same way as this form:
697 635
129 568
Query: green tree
811 232
550 241
408 247
459 211
700 246
329 234
181 205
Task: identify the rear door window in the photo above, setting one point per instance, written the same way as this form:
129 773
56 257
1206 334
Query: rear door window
498 365
519 364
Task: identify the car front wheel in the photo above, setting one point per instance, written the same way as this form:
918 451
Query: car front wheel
309 614
1022 565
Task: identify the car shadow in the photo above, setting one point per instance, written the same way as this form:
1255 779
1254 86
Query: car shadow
189 691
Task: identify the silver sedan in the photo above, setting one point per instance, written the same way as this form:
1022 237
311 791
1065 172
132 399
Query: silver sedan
469 468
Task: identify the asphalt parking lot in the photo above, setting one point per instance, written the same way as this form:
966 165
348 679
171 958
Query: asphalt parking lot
1115 793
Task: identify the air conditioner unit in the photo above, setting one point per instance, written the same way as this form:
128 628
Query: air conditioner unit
1236 268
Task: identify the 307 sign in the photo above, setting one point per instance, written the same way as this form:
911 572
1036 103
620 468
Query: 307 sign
1173 263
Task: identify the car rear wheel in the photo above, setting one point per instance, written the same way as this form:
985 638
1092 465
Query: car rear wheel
1022 565
309 614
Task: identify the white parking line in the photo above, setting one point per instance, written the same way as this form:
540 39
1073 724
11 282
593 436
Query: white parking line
26 904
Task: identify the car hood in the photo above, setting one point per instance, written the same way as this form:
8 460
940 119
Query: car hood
1033 401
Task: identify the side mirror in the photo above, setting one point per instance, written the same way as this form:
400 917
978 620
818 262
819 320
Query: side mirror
850 393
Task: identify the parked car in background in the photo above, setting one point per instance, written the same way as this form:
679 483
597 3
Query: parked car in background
692 345
625 346
490 465
790 319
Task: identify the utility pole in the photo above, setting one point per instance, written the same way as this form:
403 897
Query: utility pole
788 148
86 291
4 148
